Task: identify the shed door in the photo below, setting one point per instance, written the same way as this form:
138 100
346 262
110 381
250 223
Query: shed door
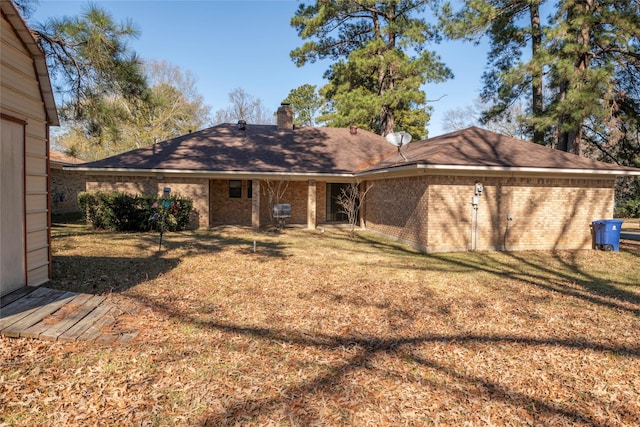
12 245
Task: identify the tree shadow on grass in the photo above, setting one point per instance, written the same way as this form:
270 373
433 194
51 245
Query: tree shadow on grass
365 349
569 279
368 349
588 286
101 273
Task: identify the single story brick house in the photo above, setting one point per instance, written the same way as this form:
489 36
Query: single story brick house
526 196
27 110
65 184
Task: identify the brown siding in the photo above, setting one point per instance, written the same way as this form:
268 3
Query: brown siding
435 213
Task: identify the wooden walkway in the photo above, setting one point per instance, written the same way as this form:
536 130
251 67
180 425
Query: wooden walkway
51 314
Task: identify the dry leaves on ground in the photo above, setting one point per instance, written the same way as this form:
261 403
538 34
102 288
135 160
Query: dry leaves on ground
315 329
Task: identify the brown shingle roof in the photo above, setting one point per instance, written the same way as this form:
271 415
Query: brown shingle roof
258 149
479 148
308 150
63 159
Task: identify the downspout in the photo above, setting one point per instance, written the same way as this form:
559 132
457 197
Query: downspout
471 227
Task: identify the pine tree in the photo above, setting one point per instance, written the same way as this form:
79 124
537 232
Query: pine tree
512 27
91 63
306 103
381 61
588 56
592 44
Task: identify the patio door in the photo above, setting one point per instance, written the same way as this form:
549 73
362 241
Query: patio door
12 244
333 208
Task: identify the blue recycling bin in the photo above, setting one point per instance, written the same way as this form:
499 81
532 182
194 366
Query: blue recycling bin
607 234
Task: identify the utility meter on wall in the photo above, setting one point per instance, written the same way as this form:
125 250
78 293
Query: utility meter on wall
479 189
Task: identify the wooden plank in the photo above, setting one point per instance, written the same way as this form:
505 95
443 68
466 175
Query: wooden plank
15 295
36 329
49 325
77 330
85 306
26 305
37 315
95 333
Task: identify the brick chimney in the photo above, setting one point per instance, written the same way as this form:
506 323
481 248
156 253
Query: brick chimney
285 117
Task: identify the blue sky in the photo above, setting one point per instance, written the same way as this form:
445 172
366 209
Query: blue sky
246 44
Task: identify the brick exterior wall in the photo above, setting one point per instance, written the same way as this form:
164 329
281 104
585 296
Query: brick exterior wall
321 202
65 186
431 213
296 195
237 211
434 213
398 207
211 200
227 210
197 189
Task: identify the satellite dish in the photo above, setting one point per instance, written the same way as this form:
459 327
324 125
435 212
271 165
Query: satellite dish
398 138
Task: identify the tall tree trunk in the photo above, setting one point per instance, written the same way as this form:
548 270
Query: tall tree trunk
386 78
387 121
570 140
536 85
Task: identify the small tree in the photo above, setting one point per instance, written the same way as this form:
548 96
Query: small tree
306 103
244 106
351 199
274 190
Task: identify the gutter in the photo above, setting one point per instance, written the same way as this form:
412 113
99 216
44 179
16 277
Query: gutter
495 169
189 172
391 171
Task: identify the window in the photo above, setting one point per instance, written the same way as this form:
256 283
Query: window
235 189
250 189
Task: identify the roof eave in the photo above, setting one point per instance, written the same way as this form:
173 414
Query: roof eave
211 173
495 169
42 72
391 171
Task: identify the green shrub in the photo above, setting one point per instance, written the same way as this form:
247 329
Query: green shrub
628 209
124 212
96 207
176 213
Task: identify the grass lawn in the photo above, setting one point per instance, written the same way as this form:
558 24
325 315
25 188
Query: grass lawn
317 329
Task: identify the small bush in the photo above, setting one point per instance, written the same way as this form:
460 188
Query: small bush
628 209
176 213
96 208
124 212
